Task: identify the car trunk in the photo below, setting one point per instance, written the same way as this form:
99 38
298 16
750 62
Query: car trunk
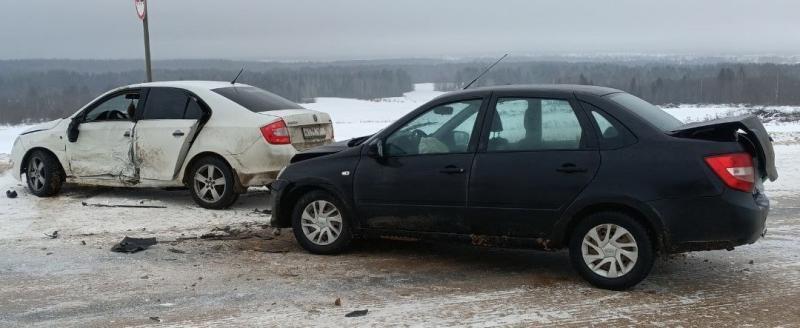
746 129
307 128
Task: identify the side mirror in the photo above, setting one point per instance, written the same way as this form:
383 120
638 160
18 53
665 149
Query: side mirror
72 130
375 149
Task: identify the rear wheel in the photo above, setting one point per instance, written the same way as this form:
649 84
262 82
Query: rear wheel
321 224
611 250
44 174
212 183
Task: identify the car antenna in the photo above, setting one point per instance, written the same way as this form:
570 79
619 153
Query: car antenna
485 71
237 76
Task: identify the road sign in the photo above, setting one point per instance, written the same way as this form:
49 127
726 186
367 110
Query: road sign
141 10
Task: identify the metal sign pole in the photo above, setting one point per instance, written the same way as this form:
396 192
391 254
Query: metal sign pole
147 45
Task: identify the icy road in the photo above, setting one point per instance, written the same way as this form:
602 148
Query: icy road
228 268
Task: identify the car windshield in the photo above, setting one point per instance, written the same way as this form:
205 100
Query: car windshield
255 99
647 111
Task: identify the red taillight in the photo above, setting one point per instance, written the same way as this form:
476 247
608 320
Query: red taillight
276 133
736 170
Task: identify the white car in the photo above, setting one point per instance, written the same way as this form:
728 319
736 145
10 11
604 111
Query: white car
216 138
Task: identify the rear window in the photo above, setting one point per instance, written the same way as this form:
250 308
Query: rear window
646 111
255 99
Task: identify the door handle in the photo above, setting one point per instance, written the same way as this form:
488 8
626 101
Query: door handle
570 168
127 134
450 169
177 133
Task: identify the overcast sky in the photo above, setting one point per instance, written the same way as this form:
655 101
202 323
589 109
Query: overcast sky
360 29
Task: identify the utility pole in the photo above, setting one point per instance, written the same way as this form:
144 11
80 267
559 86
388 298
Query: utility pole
141 10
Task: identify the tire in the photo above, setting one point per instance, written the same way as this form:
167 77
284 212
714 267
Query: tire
318 233
212 183
44 174
616 263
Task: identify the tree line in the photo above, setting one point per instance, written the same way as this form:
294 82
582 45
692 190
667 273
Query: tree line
36 90
39 95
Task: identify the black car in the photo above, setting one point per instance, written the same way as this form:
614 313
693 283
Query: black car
604 173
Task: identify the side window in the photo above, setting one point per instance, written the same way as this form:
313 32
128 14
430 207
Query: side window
193 110
165 104
443 129
610 132
529 124
118 108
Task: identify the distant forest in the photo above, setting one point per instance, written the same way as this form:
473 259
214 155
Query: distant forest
37 90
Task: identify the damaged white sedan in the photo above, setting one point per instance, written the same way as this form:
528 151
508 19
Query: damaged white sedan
216 138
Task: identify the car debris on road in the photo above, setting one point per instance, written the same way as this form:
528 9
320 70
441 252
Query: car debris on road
133 245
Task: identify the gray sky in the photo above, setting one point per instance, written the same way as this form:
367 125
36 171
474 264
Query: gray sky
351 29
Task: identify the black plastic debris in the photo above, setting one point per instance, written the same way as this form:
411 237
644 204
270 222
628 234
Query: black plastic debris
53 235
357 313
11 193
133 245
121 205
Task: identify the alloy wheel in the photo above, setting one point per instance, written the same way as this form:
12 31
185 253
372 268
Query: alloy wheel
609 250
209 183
321 222
36 173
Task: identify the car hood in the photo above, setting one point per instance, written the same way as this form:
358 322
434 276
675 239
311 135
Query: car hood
42 126
324 150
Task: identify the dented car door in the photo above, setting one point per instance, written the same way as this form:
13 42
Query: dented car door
102 149
164 132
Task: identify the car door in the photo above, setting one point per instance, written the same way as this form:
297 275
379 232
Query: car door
102 149
537 153
164 132
420 184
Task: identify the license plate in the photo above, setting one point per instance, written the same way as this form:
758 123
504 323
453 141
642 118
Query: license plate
314 132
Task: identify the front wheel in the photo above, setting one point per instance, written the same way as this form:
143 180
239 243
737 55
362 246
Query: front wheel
321 223
212 183
611 250
44 174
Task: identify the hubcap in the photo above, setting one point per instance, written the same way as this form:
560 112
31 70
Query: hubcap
609 250
209 183
36 174
321 222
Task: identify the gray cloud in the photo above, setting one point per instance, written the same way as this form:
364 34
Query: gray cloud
337 29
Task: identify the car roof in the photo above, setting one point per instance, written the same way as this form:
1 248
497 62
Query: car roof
209 85
549 88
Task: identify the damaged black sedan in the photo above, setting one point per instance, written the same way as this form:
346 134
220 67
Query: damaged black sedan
596 170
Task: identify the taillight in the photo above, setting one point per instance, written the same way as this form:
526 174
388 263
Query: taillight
736 170
276 133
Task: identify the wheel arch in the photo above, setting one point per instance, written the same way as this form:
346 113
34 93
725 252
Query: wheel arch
293 193
24 163
642 213
190 163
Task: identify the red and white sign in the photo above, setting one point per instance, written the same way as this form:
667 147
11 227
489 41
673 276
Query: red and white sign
141 9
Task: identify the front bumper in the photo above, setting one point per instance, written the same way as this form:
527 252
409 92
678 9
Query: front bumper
281 217
719 222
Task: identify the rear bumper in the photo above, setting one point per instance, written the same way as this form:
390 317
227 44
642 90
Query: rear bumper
706 223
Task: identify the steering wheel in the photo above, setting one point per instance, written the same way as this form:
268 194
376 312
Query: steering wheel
117 115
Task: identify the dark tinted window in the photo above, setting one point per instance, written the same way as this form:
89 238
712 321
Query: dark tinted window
255 99
193 110
646 111
611 133
165 104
